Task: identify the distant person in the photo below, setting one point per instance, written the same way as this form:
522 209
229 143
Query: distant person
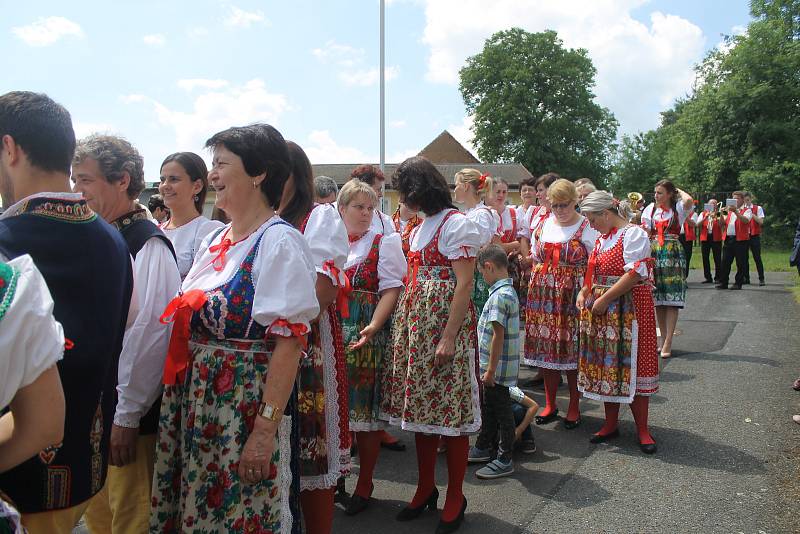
183 182
157 208
584 189
88 271
373 177
736 229
794 258
711 237
498 349
756 224
325 190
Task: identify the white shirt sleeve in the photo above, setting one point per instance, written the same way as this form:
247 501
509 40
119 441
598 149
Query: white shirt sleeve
459 238
747 215
523 228
392 264
31 340
760 212
327 237
144 347
635 247
497 221
682 212
647 216
285 281
589 238
485 222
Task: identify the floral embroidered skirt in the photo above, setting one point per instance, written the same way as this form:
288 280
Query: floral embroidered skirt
322 403
364 365
204 424
418 395
480 292
552 318
669 272
618 356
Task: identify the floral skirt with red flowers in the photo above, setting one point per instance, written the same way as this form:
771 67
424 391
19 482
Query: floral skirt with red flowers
418 395
204 424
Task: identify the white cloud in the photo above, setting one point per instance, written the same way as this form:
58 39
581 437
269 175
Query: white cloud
397 124
154 39
367 77
197 31
191 84
83 129
321 148
353 70
239 18
215 110
641 68
46 31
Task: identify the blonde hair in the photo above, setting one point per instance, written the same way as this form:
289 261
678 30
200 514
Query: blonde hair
472 177
352 189
600 201
562 190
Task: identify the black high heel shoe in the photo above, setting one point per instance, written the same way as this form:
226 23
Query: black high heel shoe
446 527
408 513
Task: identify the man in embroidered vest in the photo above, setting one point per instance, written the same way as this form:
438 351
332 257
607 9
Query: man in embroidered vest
711 237
737 234
109 172
756 222
86 265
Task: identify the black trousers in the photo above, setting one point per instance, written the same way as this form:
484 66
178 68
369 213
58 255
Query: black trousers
755 249
732 251
497 415
714 247
687 251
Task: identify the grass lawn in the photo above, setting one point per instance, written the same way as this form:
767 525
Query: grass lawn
775 260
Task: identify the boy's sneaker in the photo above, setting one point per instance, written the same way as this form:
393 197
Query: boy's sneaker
528 446
495 469
477 455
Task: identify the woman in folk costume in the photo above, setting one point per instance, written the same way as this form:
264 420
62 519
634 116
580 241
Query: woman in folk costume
405 221
618 360
431 386
224 461
375 266
663 220
471 186
324 439
561 248
513 231
184 184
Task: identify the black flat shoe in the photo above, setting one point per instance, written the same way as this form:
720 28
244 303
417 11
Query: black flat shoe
569 425
648 448
446 527
358 503
761 283
597 438
544 419
721 286
708 282
408 513
397 446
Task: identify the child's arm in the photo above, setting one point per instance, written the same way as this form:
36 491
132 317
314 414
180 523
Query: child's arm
495 350
530 413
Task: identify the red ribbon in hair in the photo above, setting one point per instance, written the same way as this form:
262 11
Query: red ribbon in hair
68 344
179 311
661 226
298 330
414 261
552 256
482 180
343 294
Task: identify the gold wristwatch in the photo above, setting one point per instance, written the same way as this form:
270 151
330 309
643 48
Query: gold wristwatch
270 412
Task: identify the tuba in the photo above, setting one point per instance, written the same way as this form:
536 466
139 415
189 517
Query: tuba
634 198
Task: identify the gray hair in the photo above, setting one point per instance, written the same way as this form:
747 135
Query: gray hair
325 186
600 201
115 156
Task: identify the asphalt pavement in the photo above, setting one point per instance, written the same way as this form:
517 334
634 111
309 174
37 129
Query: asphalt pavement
728 457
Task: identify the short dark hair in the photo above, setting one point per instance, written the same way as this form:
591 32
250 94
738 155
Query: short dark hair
421 186
41 127
494 254
196 168
530 182
296 209
547 179
367 174
115 156
154 202
262 149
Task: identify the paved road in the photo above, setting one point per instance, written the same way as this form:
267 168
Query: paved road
728 458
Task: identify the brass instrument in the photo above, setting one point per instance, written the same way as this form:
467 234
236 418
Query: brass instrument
635 198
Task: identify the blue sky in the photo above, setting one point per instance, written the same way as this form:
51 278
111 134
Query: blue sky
167 75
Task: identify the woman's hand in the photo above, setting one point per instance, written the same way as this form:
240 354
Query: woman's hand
445 350
366 334
600 306
581 301
257 453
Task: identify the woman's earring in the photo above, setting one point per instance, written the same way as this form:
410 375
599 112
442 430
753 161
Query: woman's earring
196 198
255 185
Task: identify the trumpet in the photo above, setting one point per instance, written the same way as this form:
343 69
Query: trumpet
634 198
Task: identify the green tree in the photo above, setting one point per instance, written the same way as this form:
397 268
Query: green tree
532 103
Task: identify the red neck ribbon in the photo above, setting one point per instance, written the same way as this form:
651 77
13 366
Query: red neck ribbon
343 295
661 227
414 261
221 249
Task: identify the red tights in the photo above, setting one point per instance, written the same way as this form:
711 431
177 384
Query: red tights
369 445
640 408
317 510
457 452
551 379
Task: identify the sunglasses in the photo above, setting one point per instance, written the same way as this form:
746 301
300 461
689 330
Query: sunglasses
561 206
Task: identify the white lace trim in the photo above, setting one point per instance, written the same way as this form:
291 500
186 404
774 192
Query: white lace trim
533 362
632 390
285 469
367 427
335 467
471 428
